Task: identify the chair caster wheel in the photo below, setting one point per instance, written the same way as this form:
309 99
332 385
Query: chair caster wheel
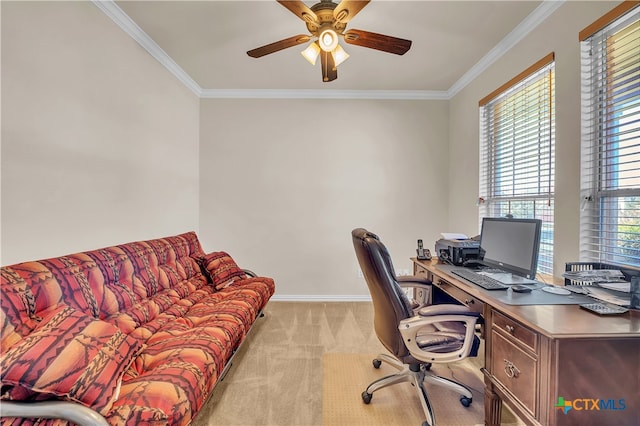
377 363
366 397
466 401
425 423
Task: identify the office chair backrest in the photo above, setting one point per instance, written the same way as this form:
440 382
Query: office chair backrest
390 304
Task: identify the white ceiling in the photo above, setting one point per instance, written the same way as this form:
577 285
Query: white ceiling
208 41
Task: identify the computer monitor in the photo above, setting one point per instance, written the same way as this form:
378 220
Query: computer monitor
511 244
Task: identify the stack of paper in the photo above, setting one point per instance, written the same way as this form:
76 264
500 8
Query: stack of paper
595 276
617 298
623 286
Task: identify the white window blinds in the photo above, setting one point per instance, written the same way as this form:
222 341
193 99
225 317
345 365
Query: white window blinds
517 151
610 180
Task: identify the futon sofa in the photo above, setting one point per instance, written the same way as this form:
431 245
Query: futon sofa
134 334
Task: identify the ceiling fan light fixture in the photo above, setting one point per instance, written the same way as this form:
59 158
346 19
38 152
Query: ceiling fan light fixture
328 39
326 22
311 53
339 55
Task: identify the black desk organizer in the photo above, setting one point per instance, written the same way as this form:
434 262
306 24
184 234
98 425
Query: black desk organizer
588 266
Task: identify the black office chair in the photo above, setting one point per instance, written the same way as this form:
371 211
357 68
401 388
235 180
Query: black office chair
416 336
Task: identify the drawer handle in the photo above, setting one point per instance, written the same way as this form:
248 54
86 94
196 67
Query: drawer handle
510 329
510 369
469 301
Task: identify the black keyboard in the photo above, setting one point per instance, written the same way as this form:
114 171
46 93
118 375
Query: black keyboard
483 281
603 308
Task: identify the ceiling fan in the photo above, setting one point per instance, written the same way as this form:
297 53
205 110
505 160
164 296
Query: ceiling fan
326 22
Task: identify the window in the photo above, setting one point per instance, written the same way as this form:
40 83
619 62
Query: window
610 180
517 151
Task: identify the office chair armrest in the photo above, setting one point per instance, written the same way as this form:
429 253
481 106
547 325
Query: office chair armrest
419 299
431 316
70 411
446 309
413 281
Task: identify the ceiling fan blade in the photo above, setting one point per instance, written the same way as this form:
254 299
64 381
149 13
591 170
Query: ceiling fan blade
278 45
347 9
300 10
329 70
385 43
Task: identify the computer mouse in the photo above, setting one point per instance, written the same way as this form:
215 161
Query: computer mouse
521 288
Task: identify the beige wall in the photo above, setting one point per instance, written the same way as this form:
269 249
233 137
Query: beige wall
99 142
283 183
101 145
559 34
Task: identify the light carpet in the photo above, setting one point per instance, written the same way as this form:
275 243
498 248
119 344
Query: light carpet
346 375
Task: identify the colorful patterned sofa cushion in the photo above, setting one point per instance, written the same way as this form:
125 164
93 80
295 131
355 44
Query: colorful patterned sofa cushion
69 355
222 269
157 292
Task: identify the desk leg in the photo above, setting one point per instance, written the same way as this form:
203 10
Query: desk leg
492 403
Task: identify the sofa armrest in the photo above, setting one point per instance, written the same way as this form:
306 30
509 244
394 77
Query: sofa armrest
250 273
70 411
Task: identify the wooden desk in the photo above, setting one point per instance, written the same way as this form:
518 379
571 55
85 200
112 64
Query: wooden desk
536 354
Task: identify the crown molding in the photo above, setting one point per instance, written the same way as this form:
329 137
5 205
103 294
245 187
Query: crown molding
535 18
323 94
117 15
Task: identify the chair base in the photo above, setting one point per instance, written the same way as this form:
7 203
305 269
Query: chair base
417 375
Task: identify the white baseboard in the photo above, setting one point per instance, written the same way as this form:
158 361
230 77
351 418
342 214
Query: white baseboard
320 298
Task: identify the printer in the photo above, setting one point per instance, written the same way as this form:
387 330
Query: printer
457 251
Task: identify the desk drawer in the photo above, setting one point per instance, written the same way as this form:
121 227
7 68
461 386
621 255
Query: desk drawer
420 271
516 370
516 330
461 296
